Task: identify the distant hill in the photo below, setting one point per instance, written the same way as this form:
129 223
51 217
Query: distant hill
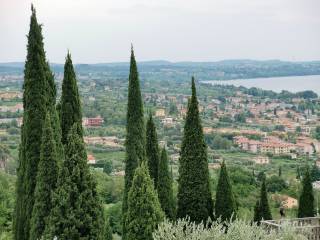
161 69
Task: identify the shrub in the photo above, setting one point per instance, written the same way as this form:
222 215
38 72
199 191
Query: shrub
239 230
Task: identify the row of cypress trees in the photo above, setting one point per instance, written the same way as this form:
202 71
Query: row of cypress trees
148 194
56 194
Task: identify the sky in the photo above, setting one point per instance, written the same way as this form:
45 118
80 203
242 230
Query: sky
97 31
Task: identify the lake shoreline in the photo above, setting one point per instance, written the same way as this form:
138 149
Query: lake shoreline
277 84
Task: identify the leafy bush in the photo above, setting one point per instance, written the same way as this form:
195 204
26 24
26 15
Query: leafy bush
276 184
237 230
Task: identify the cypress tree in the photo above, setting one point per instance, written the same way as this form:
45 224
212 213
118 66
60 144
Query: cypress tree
194 196
280 171
135 137
152 150
298 176
225 205
253 178
262 210
46 181
70 105
257 216
315 173
165 191
144 211
36 98
77 212
306 200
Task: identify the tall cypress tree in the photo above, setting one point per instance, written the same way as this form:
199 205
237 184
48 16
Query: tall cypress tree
36 98
54 115
194 196
152 150
135 138
165 191
225 205
144 211
257 217
306 201
46 181
70 105
77 211
262 209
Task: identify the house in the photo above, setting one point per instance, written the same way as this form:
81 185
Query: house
304 148
285 201
162 144
19 121
168 121
254 146
119 173
172 98
183 111
289 202
261 160
10 95
92 122
214 165
91 159
160 112
207 130
175 157
111 141
316 185
16 108
276 148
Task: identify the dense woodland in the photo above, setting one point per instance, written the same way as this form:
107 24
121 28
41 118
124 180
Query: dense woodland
54 194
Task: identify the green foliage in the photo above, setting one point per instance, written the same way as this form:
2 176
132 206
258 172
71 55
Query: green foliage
135 138
165 191
317 133
315 173
234 230
194 196
144 211
110 189
107 168
262 209
221 143
70 105
46 181
7 184
114 214
225 205
152 150
240 117
306 200
280 128
77 212
107 230
276 184
38 95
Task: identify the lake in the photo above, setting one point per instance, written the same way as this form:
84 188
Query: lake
277 84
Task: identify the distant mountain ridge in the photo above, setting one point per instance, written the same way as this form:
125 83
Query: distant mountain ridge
166 62
162 69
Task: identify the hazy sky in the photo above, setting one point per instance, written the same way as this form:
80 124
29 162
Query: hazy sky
176 30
